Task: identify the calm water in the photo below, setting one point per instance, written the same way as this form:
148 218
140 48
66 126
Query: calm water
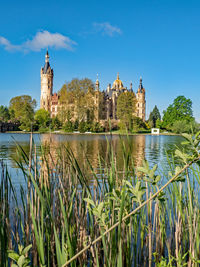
151 148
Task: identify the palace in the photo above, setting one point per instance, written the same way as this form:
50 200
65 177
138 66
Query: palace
104 102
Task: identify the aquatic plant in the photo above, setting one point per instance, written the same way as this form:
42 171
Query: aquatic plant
70 213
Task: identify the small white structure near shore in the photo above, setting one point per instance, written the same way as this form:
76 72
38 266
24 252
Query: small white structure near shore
155 131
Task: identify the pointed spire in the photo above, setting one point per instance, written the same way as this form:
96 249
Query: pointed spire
47 65
118 76
140 86
131 86
47 56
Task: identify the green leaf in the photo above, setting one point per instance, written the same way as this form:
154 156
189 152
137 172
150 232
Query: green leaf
20 261
188 137
90 201
181 155
13 255
100 207
26 249
58 249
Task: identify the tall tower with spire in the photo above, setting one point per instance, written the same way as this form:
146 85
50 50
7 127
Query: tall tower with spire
141 102
46 74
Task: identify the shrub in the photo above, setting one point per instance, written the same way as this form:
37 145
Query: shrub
68 127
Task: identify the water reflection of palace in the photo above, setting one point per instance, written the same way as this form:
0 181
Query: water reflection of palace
96 147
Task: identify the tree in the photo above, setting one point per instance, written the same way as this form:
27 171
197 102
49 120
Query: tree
68 127
184 126
76 124
180 110
138 124
22 110
42 118
81 127
4 114
82 85
55 123
154 116
126 105
76 97
180 127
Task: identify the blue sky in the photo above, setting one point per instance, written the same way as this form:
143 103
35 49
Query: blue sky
158 40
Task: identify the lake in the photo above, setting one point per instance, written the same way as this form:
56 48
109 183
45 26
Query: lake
151 148
63 195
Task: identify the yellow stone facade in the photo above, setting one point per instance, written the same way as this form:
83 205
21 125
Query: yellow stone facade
104 102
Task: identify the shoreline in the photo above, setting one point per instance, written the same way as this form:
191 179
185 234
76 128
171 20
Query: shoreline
103 133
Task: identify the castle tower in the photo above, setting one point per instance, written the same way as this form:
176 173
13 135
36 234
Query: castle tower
97 100
97 84
141 102
131 87
46 74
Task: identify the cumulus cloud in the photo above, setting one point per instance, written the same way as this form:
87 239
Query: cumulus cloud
42 39
106 28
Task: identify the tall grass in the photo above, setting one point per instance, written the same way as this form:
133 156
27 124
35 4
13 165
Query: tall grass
65 206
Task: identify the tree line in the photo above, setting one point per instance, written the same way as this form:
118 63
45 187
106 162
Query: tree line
177 118
77 97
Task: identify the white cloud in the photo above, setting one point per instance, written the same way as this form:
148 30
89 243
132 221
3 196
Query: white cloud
106 28
7 44
42 39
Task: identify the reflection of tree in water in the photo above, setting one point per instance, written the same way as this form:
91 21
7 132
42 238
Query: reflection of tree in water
153 148
97 146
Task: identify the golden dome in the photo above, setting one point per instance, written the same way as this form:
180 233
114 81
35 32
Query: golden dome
117 83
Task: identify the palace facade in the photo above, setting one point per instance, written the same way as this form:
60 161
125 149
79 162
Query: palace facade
104 102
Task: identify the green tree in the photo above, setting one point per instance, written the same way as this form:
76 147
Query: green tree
62 114
22 110
154 116
68 127
4 114
76 124
180 127
82 85
138 124
126 106
82 127
184 126
42 118
158 123
96 127
76 96
56 123
180 110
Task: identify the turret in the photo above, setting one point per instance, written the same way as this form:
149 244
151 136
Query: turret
97 84
131 87
140 88
108 88
46 84
141 102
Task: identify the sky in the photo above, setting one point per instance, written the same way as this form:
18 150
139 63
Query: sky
156 39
